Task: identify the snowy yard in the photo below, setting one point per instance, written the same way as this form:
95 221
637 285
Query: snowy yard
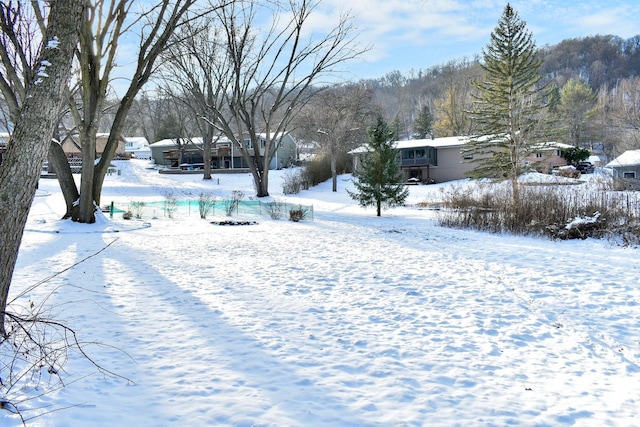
346 320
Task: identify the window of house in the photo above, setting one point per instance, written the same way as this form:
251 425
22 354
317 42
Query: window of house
538 155
420 153
248 143
628 174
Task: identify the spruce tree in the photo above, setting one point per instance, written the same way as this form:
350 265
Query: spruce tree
423 124
380 183
509 103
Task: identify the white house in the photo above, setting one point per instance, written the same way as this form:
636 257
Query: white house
138 147
626 165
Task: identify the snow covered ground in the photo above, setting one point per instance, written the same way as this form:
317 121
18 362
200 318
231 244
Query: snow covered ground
346 320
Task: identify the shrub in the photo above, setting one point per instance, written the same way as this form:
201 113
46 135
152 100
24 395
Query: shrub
559 212
317 171
170 203
569 173
135 209
206 204
276 209
231 205
297 215
293 181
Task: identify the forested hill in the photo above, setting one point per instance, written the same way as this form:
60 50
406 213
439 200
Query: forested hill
596 60
603 62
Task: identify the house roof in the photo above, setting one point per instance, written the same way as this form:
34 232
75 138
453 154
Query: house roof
171 142
552 145
628 158
450 141
453 141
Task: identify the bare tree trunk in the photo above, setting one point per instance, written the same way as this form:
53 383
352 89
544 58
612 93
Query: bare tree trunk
207 140
206 157
58 159
29 142
167 16
334 171
86 206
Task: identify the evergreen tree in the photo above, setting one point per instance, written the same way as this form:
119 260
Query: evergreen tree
577 102
509 105
380 183
423 124
396 128
574 155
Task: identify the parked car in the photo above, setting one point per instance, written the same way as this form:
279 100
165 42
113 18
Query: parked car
585 167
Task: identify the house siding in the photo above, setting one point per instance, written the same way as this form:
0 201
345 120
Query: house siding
545 160
450 166
166 153
443 159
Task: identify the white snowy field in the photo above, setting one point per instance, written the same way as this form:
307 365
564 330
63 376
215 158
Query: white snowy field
346 320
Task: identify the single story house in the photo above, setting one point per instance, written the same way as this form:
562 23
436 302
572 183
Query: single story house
72 147
188 153
137 147
626 165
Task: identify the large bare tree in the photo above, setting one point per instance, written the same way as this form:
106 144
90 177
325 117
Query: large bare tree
35 119
100 38
452 117
337 120
265 75
619 116
189 75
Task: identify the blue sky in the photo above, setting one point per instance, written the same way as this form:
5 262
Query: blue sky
418 34
407 35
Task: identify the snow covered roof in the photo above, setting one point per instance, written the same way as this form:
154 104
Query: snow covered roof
172 142
628 158
552 145
450 141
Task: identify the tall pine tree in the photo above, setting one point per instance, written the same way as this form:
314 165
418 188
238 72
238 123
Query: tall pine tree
423 124
380 183
509 103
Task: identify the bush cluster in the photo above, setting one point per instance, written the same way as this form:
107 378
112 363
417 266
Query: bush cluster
319 170
569 173
297 215
293 181
559 212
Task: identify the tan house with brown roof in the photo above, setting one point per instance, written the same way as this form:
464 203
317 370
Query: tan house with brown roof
71 145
